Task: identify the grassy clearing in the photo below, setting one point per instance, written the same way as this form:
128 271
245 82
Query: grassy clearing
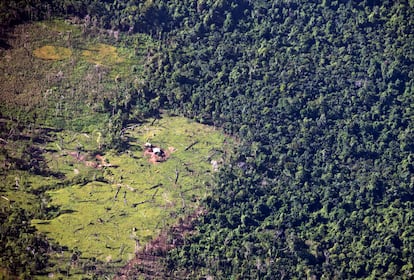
136 198
52 53
102 54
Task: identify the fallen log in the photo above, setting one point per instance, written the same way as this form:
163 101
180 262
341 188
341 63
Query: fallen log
191 145
154 187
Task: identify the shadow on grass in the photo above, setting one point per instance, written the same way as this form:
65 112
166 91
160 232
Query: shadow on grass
55 211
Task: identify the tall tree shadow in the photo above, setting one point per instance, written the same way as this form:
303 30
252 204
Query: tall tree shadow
6 33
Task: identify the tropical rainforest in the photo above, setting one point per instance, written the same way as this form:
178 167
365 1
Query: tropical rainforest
317 97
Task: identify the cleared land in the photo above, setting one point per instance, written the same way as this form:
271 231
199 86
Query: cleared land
97 207
133 198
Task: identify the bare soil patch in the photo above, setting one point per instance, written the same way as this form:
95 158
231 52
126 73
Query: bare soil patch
156 155
146 263
97 162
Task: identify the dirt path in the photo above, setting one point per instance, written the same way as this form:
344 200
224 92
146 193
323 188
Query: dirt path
146 263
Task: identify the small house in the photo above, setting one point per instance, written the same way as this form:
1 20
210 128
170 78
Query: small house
157 151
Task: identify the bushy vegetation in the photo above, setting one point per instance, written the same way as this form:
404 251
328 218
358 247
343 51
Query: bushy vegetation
24 252
320 95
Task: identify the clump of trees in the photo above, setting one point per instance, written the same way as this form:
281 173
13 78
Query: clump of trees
320 95
23 250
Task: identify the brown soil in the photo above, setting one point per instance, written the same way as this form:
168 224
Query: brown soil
146 264
98 162
154 158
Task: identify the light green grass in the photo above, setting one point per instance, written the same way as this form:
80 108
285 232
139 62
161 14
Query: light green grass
106 228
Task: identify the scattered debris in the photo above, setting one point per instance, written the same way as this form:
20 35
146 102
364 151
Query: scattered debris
156 186
125 199
146 263
98 162
145 201
117 192
130 188
214 165
177 173
190 146
154 194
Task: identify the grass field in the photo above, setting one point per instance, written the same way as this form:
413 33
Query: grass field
134 198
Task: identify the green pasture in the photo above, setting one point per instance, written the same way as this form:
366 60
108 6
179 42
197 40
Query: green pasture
131 199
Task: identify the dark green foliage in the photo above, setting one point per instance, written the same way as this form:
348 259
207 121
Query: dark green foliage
12 12
23 251
321 97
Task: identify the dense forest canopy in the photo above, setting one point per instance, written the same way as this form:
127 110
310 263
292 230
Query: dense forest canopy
321 95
